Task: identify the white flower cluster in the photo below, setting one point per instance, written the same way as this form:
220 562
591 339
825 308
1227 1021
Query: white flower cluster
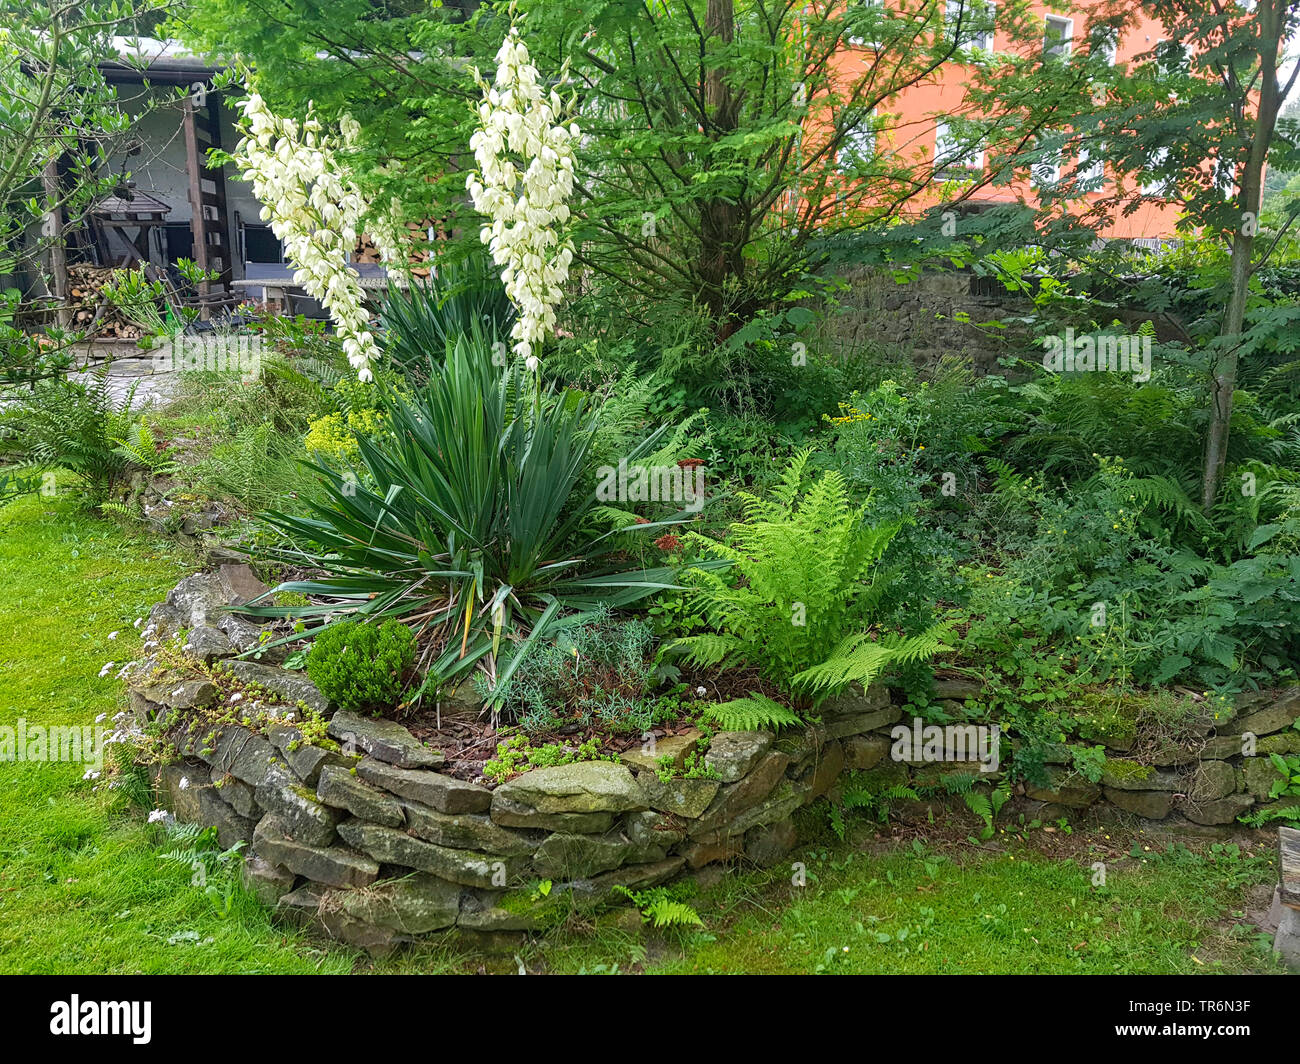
315 207
524 154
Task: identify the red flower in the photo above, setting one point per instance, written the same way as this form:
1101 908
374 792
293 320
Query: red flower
668 542
643 520
690 463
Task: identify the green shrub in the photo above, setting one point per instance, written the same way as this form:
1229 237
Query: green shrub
1104 572
361 666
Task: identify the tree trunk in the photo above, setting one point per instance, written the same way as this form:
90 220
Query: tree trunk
1224 381
721 221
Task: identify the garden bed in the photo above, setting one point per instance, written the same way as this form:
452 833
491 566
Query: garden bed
383 832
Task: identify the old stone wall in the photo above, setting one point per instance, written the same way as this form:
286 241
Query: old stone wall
935 316
359 831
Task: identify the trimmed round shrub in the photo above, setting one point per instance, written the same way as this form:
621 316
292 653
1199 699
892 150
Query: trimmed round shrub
361 666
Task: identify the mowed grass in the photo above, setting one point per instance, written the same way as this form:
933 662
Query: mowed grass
83 888
1006 910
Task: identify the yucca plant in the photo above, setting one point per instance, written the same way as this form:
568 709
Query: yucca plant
797 601
462 520
460 299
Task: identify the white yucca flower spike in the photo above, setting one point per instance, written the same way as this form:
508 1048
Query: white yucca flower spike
524 152
314 206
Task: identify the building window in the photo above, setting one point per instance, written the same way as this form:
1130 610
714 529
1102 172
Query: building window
1225 177
1089 172
858 148
1046 173
1105 43
865 17
970 23
1162 185
1057 32
1170 57
955 158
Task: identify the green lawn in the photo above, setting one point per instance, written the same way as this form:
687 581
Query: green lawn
82 888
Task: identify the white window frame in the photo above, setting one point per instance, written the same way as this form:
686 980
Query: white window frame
1158 186
860 140
963 165
862 42
1065 45
1109 44
1225 177
1089 172
982 40
1045 174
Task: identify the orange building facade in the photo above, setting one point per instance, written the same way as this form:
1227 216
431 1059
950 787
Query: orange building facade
917 125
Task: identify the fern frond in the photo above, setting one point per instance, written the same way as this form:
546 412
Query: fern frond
613 516
664 912
1265 816
755 713
858 659
707 649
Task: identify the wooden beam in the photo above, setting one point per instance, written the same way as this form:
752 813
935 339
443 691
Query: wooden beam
198 228
1288 845
53 231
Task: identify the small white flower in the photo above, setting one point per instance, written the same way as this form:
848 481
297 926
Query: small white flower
101 718
91 774
158 815
184 783
112 635
236 697
105 670
701 692
138 622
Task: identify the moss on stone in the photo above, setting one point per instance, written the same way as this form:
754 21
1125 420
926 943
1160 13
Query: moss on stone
1121 768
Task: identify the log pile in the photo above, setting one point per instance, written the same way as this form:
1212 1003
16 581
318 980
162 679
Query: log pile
366 254
91 312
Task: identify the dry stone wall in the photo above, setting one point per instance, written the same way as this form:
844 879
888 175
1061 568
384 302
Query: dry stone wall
359 832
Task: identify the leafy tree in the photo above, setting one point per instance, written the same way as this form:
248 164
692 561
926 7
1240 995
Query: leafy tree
402 68
722 139
61 124
1194 121
726 139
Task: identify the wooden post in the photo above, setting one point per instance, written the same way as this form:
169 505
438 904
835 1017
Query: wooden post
53 231
198 228
1288 845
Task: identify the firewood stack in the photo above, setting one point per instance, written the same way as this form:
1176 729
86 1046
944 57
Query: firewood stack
91 312
366 254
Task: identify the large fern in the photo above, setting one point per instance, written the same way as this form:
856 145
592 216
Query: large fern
797 599
74 425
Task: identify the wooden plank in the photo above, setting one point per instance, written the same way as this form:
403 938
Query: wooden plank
58 249
193 170
1288 845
